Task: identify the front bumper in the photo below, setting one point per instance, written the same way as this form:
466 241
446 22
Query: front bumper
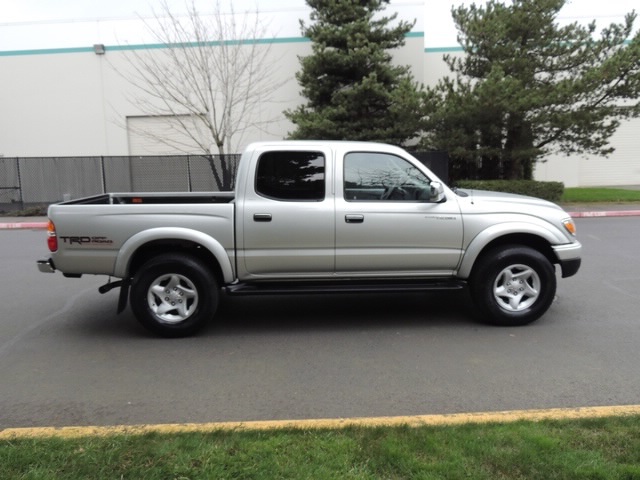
569 257
46 266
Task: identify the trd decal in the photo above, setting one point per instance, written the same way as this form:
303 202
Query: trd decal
86 240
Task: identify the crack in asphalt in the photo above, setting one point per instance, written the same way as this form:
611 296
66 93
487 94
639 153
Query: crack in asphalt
6 346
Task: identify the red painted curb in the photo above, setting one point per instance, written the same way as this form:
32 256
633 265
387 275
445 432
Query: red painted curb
618 213
23 225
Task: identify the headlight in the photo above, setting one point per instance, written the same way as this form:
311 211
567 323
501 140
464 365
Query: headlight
570 226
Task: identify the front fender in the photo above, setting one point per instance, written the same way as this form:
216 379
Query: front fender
547 232
132 245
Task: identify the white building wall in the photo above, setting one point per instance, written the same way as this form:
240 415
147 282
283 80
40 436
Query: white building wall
73 102
622 167
51 105
76 103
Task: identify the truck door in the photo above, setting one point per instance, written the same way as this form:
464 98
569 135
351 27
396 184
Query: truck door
386 224
288 215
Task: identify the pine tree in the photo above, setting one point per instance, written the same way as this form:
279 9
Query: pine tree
527 86
354 91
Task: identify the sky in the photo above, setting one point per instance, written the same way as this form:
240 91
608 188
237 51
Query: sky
440 30
53 24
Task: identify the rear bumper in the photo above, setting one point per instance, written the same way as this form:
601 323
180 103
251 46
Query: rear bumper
569 257
46 266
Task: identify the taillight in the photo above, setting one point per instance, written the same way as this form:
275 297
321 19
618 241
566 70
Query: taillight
52 238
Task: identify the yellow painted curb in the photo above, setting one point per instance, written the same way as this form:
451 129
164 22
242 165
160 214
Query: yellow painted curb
412 421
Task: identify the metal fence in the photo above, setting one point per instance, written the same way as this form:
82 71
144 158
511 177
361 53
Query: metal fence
30 181
43 180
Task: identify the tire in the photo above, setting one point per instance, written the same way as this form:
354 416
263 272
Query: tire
513 285
174 295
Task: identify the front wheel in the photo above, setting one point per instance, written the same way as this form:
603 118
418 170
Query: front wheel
513 285
173 295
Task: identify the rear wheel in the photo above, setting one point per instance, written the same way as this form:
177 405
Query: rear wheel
173 295
513 285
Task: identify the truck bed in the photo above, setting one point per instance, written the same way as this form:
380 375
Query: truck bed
154 198
93 230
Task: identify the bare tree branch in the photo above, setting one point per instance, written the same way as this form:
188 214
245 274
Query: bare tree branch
209 77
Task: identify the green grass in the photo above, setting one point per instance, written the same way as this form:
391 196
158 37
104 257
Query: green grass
600 194
606 448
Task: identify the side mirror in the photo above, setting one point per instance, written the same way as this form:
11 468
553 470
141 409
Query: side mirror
437 193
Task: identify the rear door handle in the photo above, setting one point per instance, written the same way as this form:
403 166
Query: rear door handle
261 217
354 218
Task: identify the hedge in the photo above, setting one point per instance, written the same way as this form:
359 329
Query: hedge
551 191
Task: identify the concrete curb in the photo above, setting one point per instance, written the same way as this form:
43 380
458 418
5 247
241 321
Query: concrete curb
314 424
590 214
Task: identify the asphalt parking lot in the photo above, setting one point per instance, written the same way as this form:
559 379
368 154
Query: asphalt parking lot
67 359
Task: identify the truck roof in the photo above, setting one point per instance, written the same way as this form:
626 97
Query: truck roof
343 144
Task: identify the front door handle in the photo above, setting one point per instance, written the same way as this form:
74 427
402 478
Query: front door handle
354 218
261 217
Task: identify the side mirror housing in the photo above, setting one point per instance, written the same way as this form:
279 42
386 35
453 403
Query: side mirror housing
437 193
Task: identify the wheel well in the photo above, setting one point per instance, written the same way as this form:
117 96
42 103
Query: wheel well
157 247
527 240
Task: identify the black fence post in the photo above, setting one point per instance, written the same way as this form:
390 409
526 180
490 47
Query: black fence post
19 183
103 175
189 185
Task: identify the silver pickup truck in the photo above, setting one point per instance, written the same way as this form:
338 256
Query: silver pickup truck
312 217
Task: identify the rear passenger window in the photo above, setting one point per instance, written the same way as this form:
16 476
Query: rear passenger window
291 176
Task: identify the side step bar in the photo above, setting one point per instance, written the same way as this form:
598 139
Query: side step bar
290 288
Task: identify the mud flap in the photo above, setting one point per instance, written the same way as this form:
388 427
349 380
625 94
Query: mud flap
124 295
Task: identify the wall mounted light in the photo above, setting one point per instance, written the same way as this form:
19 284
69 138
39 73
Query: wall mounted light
98 48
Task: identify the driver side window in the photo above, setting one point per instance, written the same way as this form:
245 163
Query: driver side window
382 177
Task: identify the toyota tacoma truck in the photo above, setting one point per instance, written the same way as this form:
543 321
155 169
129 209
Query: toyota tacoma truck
313 217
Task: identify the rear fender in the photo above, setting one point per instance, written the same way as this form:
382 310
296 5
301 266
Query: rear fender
132 245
